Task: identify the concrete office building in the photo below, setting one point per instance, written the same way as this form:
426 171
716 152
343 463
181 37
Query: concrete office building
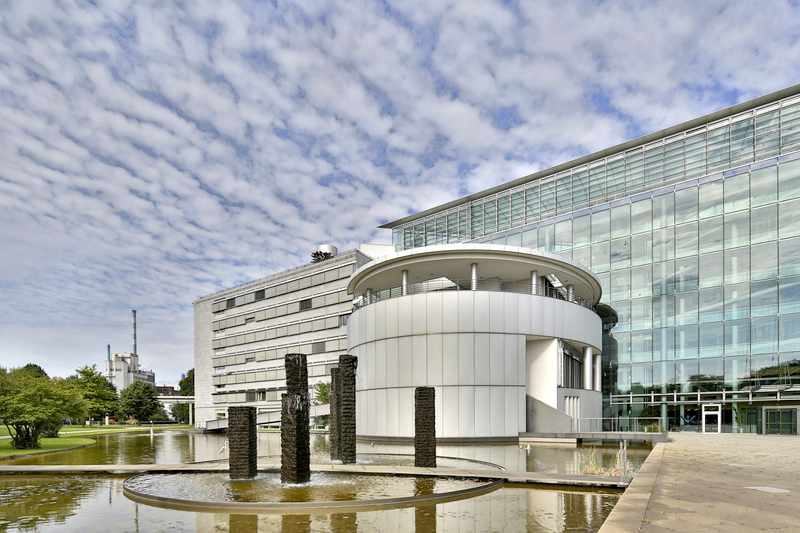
242 333
694 235
122 369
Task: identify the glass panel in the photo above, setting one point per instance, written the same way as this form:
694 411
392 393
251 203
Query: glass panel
712 340
641 314
685 372
489 216
737 229
764 186
742 140
583 256
597 184
641 346
530 238
737 337
686 274
673 161
737 193
663 375
517 208
623 310
737 372
547 238
642 248
711 269
581 231
641 281
764 224
789 257
790 126
790 295
532 204
789 218
600 226
664 311
711 235
654 166
623 384
790 333
620 285
663 244
563 235
634 172
664 344
737 301
764 335
547 199
686 239
764 298
499 240
711 374
764 369
620 253
695 155
686 205
503 212
663 211
711 304
564 194
477 220
580 189
686 308
663 278
686 342
718 147
605 285
767 134
514 240
600 257
764 261
641 216
737 265
710 199
789 180
621 221
641 377
615 177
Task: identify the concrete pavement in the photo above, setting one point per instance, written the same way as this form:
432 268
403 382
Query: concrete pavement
732 483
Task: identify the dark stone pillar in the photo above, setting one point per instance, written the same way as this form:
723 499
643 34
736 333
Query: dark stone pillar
335 416
242 442
347 376
295 437
425 427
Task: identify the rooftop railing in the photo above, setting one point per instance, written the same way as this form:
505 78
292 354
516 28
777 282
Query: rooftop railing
491 285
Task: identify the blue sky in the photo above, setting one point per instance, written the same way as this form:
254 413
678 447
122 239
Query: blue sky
155 152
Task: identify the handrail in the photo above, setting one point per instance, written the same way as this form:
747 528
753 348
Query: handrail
491 285
612 424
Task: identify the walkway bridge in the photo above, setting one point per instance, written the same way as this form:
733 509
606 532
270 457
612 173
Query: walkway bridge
270 417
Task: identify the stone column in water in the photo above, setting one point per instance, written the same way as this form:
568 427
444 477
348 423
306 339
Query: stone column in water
347 377
242 442
425 427
335 416
295 438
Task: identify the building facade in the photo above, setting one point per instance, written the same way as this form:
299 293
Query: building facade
122 369
694 235
243 333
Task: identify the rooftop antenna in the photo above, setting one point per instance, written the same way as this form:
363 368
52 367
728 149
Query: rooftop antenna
134 331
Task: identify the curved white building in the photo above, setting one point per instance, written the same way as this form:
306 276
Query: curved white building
507 336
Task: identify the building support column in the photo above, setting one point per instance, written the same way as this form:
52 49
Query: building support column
474 286
598 372
534 282
570 293
588 360
404 286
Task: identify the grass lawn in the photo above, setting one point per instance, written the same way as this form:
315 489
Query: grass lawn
103 429
48 445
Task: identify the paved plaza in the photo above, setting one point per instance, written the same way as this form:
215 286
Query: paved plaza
714 483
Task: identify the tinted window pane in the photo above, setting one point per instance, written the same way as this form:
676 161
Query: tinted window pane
686 205
641 216
686 342
712 340
764 298
686 240
642 248
737 301
737 193
764 261
581 231
789 257
737 337
620 221
790 333
737 229
641 281
711 234
711 304
737 265
764 186
789 180
764 335
620 285
600 226
711 269
686 274
789 219
764 224
710 199
620 253
790 295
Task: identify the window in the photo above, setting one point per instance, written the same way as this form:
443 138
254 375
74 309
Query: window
231 302
260 294
305 305
250 360
318 347
343 320
249 320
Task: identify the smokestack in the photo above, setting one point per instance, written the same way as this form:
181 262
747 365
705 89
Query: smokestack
134 331
109 353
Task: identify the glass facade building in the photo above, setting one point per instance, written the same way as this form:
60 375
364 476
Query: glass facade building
694 233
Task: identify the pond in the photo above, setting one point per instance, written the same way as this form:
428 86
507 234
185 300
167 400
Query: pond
45 503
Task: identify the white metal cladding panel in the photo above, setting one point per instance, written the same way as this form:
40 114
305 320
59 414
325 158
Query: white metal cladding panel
380 363
496 312
380 321
371 412
498 406
380 410
369 364
466 358
511 411
466 303
483 363
450 356
392 362
404 315
439 405
450 318
419 345
483 412
361 421
466 408
510 313
513 352
434 312
434 352
406 411
419 317
392 413
481 311
522 402
450 410
497 359
371 331
392 317
406 362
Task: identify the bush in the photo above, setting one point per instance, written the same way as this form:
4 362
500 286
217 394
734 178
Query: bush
51 428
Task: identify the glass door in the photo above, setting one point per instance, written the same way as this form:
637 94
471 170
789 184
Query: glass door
781 421
711 417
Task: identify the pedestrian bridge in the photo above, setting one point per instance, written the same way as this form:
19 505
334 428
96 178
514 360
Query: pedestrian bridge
270 417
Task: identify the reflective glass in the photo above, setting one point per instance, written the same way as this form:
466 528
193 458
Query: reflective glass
641 216
624 379
764 224
514 240
499 240
663 244
789 218
737 372
642 249
620 221
764 298
664 311
620 285
620 253
764 334
686 274
686 205
547 238
737 301
600 226
641 377
790 333
605 284
686 308
711 304
623 347
641 346
641 281
737 337
581 231
737 192
530 238
789 257
641 314
583 256
737 265
737 229
710 199
663 375
600 257
664 344
711 269
789 180
764 186
764 261
711 374
663 211
712 339
686 239
764 369
623 310
563 235
685 371
663 278
686 342
711 235
789 293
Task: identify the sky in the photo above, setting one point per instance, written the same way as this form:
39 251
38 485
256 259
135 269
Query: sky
155 152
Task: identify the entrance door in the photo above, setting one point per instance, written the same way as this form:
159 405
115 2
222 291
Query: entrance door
711 417
781 421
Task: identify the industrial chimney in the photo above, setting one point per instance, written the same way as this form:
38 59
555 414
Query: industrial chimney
134 331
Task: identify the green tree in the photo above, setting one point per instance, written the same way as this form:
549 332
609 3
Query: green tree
28 403
322 395
181 412
139 401
99 393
